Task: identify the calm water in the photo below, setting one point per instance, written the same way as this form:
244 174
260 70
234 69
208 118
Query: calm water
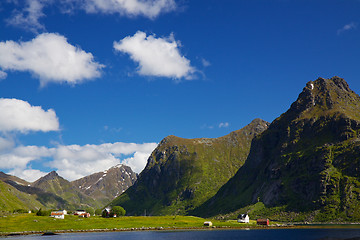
277 234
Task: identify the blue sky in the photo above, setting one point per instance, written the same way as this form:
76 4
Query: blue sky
95 83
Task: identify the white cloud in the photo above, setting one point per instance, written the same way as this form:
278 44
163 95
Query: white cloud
27 13
158 57
224 125
3 75
18 115
50 58
19 157
95 158
347 27
6 143
28 17
205 62
75 161
138 161
28 174
131 8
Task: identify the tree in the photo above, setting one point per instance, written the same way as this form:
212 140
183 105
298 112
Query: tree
118 211
90 210
105 213
98 212
43 212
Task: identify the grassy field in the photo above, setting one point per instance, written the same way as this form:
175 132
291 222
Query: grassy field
33 223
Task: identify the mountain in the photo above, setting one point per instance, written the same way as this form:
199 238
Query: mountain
11 199
68 196
54 192
306 164
183 173
13 179
107 185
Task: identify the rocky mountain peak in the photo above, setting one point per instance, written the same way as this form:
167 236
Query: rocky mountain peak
51 175
257 126
322 98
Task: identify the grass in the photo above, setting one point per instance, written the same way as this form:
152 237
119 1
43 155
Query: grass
31 223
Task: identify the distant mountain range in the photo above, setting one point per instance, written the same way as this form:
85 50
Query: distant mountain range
304 166
54 192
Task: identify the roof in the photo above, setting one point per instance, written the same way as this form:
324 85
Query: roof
56 213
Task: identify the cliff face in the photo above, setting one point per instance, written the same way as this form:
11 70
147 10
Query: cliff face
308 159
183 173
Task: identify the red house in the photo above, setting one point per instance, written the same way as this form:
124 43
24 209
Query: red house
264 222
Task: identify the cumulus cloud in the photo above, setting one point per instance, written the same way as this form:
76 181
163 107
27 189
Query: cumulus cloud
158 57
75 161
30 175
3 75
28 17
131 8
28 13
19 157
95 158
347 27
50 58
224 125
6 143
18 115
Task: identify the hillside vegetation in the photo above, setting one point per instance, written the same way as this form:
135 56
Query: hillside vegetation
306 163
183 173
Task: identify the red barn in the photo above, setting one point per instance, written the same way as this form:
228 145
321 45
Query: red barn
262 222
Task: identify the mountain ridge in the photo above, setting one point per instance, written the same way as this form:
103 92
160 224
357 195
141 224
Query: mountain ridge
106 185
54 192
305 161
181 173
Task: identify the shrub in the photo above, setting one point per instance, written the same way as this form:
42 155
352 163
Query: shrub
118 211
43 212
98 212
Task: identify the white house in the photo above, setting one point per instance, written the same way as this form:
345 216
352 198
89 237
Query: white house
79 212
57 214
243 218
208 224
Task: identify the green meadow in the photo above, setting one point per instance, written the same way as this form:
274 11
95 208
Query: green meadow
32 223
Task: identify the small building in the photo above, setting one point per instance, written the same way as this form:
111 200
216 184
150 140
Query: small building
208 224
79 212
243 218
57 214
106 212
84 215
264 222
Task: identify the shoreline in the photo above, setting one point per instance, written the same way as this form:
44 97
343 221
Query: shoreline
255 227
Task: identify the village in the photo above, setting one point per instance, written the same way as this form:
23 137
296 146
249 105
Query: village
109 212
106 213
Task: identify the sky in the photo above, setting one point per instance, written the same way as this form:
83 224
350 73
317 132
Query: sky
89 84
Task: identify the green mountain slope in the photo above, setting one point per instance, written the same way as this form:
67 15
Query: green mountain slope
307 162
12 199
66 194
183 173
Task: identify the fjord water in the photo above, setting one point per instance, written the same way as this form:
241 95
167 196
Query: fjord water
277 234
